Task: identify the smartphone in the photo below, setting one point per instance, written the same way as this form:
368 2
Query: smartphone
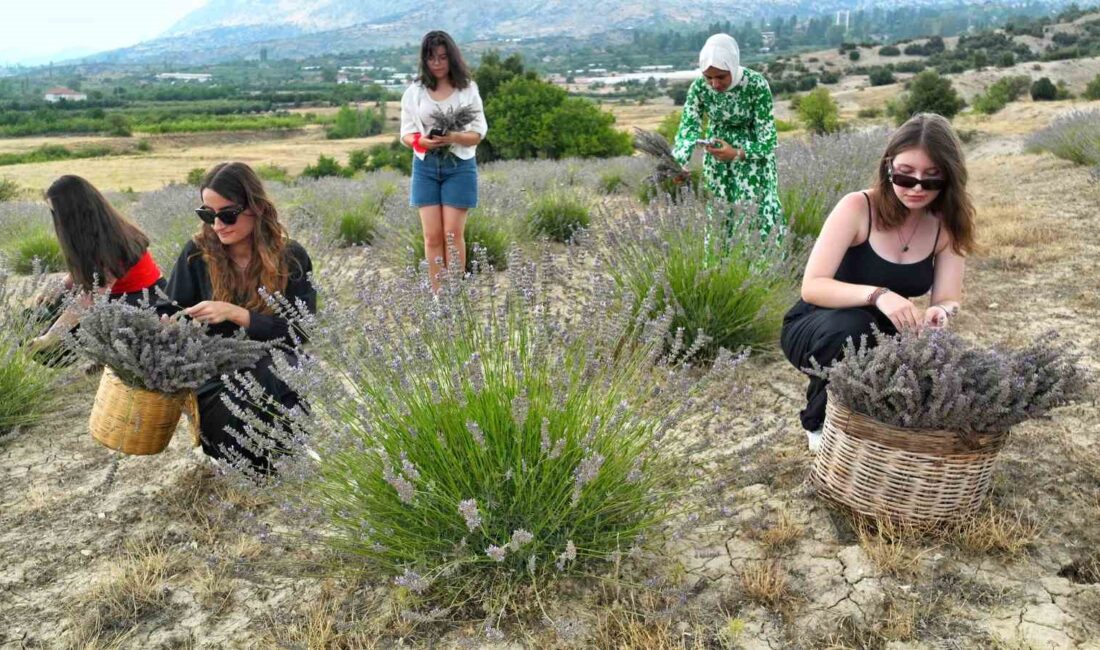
706 143
436 132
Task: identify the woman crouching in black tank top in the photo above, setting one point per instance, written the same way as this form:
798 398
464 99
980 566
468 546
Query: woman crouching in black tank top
879 248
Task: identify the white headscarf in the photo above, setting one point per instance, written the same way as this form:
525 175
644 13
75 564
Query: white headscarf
720 51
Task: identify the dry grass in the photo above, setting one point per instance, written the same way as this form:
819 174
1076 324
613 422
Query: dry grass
1013 238
214 589
623 629
995 531
895 549
778 535
327 620
766 583
133 592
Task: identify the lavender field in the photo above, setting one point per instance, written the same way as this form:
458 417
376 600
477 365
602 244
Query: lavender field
590 442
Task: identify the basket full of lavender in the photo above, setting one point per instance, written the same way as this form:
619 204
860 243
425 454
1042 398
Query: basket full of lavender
914 424
152 367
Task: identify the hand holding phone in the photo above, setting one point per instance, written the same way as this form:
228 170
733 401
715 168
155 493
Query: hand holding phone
713 142
437 132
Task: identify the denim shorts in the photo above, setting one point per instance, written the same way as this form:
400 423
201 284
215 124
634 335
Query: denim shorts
443 179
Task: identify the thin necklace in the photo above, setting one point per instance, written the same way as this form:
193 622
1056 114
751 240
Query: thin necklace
905 244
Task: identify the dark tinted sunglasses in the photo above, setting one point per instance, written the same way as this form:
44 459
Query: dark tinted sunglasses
909 182
228 216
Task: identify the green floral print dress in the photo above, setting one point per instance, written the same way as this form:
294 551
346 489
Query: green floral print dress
742 117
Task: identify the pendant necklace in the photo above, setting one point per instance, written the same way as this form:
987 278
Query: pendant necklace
905 244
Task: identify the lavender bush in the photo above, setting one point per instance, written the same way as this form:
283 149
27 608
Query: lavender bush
26 383
168 216
1073 136
939 380
725 287
814 173
164 356
461 447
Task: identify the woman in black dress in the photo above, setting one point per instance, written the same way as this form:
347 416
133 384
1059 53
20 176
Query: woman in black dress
240 249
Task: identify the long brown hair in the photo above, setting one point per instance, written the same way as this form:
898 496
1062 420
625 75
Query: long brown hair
268 268
459 71
933 134
96 240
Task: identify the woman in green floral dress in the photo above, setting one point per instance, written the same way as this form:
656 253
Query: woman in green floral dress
737 105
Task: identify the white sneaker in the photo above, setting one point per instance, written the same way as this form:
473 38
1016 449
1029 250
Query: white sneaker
813 440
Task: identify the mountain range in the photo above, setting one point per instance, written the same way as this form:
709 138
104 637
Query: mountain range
225 30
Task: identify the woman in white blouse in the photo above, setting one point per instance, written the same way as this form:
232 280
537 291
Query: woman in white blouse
444 177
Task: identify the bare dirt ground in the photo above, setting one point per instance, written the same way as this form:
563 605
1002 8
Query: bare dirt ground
151 552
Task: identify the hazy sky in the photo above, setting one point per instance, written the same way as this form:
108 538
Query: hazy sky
33 31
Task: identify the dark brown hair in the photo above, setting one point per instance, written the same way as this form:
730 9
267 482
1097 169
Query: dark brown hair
933 134
95 238
238 183
459 72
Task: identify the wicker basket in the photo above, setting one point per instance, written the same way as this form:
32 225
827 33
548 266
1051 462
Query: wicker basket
136 421
907 475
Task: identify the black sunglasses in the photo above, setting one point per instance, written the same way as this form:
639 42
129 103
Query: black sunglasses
228 215
909 182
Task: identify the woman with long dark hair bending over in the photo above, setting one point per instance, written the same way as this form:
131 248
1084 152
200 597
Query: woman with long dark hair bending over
240 249
880 248
103 251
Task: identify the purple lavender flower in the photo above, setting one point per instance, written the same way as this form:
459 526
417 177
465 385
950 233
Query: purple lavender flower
468 508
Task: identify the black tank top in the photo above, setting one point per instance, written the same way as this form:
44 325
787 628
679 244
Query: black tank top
862 265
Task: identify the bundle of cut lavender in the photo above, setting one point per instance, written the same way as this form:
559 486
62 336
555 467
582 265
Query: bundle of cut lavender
166 356
453 119
655 145
938 380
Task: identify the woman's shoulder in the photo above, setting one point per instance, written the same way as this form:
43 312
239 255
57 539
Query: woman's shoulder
190 250
412 91
296 250
754 80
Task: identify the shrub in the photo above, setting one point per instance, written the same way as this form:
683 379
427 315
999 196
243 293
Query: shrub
195 176
9 189
118 125
558 216
853 55
143 146
889 50
26 386
829 77
783 126
941 381
1092 90
870 112
1043 89
533 118
488 238
1073 136
273 172
354 123
1000 92
394 156
39 247
482 450
359 224
670 124
707 264
818 111
928 93
611 182
880 76
325 166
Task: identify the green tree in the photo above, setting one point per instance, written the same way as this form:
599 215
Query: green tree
928 93
535 119
493 72
1092 90
1043 90
354 123
818 111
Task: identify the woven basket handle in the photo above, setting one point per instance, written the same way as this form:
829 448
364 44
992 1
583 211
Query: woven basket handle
191 410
